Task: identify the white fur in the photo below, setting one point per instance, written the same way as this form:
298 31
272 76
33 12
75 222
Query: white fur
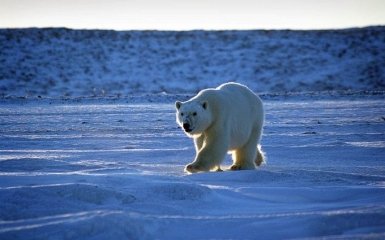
225 119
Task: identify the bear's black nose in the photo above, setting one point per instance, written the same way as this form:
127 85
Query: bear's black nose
186 127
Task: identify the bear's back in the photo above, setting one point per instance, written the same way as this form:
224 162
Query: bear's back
239 95
231 98
232 88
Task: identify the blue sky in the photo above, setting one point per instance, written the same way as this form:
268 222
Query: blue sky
192 14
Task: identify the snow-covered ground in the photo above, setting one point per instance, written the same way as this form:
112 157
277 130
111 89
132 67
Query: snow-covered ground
113 169
64 62
89 147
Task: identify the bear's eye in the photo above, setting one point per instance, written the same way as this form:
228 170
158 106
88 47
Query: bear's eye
182 114
194 113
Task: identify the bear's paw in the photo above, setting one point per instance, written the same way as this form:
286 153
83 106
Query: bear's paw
192 168
235 168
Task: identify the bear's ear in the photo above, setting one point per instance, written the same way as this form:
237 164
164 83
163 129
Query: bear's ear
178 104
205 104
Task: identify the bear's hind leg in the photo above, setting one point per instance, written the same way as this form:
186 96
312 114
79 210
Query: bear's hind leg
245 157
260 156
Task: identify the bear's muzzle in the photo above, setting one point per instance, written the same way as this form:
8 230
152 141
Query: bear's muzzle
186 127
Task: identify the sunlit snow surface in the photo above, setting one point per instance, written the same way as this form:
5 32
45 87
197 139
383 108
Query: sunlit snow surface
114 170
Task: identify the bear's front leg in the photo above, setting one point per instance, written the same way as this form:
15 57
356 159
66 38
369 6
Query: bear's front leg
209 157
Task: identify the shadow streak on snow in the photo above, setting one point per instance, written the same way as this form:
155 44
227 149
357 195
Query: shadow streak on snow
25 224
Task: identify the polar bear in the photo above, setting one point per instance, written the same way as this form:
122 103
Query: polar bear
226 119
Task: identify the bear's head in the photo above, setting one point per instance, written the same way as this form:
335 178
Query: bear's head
193 116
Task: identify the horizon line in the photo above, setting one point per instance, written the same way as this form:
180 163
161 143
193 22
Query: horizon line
195 29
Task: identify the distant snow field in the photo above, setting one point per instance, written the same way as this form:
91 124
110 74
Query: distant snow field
113 169
73 63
